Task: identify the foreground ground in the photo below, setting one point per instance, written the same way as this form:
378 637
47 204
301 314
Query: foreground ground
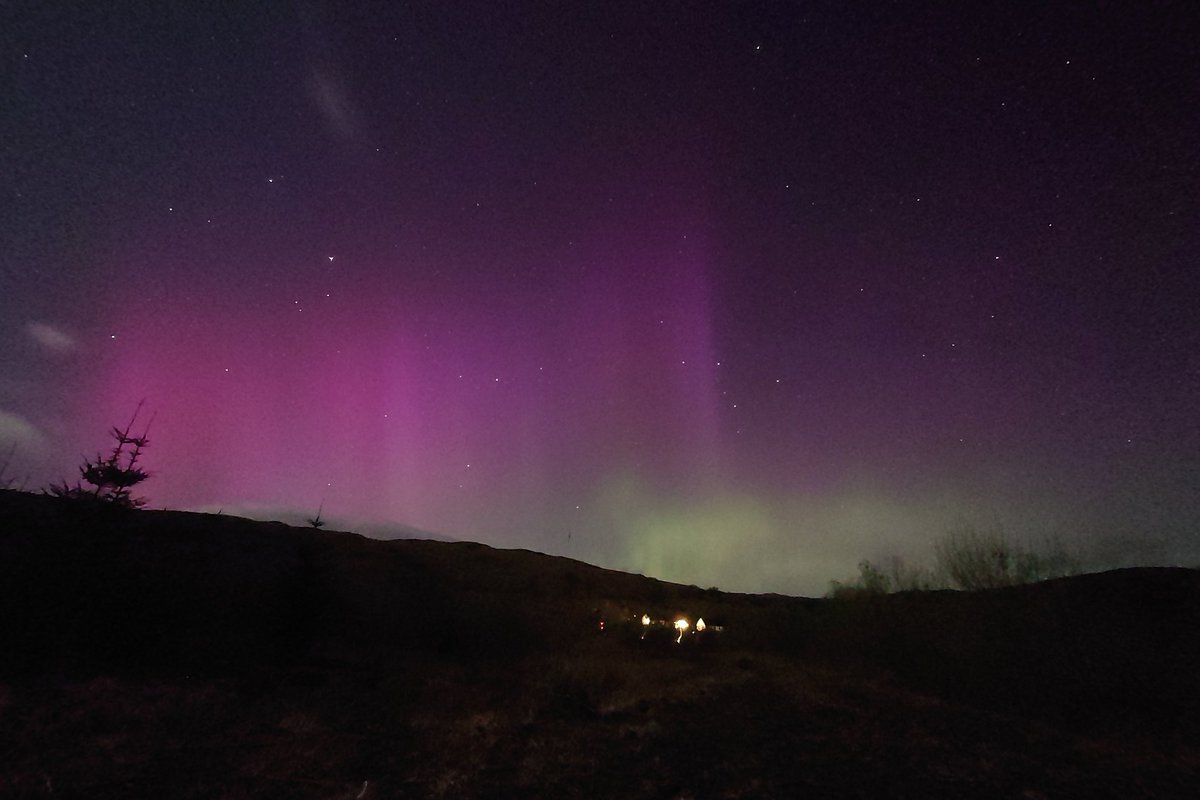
164 654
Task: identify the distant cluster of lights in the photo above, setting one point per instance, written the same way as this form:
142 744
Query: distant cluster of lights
680 624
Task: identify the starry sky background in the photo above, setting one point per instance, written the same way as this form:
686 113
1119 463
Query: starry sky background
733 294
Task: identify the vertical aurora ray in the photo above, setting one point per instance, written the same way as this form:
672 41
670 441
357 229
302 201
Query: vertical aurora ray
470 415
505 289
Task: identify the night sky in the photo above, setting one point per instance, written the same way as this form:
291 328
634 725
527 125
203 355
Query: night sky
733 294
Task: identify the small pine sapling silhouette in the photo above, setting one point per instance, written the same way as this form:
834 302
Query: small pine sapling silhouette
112 477
316 521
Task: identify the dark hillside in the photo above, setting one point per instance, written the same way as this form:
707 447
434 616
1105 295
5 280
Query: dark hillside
159 591
171 654
1112 649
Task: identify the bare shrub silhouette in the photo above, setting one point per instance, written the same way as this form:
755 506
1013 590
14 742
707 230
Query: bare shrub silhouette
871 580
973 560
316 521
112 478
906 577
964 559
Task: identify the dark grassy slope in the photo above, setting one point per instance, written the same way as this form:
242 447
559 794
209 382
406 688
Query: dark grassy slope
159 591
182 655
1111 648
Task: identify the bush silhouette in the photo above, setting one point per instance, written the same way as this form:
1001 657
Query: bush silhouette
112 478
988 560
965 559
870 581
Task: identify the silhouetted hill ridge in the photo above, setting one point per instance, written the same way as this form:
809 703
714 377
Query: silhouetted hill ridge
171 654
165 592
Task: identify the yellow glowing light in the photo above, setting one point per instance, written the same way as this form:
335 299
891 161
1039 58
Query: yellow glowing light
645 619
700 624
681 625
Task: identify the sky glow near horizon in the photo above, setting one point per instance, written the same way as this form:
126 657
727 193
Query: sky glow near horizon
735 298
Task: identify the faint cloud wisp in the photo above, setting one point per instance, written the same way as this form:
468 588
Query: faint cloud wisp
50 337
16 430
333 101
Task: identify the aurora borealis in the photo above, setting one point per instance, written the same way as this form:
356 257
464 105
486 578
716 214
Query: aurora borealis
729 294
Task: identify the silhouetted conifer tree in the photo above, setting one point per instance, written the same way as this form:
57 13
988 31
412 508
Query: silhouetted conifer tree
112 478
